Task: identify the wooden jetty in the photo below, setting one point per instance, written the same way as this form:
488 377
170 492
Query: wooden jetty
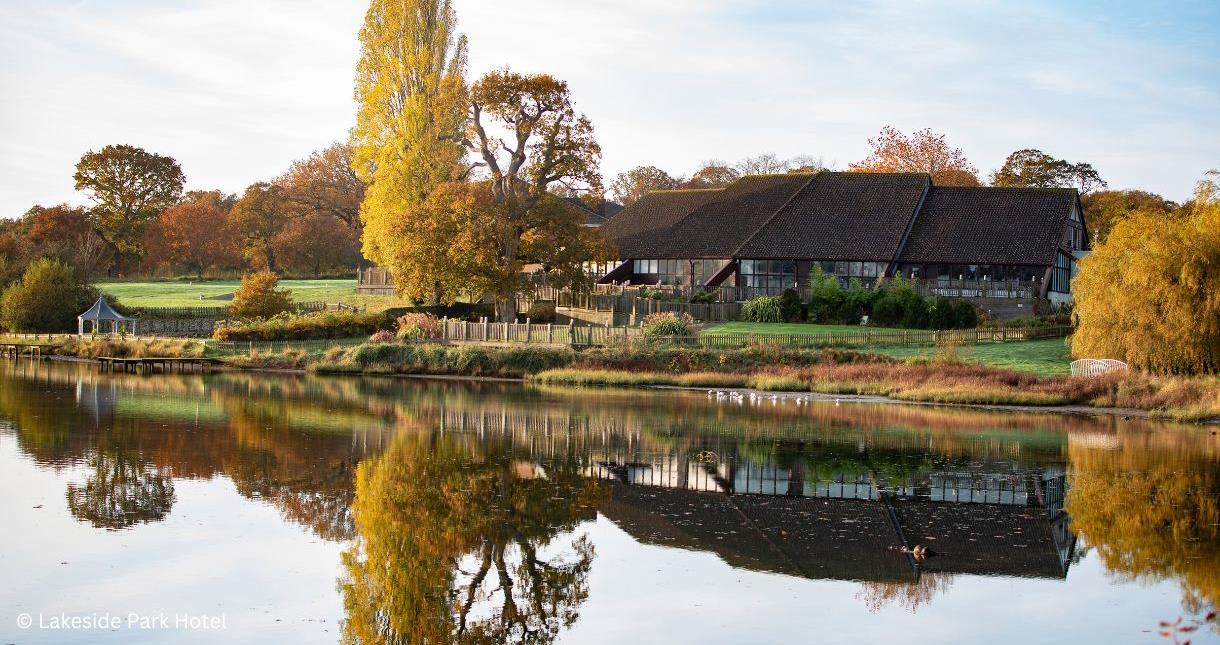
17 350
149 364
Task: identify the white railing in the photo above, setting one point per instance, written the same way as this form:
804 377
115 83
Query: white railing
1097 366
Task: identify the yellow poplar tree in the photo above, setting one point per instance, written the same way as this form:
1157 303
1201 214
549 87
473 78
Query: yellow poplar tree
410 116
1150 294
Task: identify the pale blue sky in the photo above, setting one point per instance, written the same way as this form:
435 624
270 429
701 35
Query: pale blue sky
237 89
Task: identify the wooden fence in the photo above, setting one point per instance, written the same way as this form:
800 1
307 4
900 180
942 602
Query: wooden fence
593 335
218 313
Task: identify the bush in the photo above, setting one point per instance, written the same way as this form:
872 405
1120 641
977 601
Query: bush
942 314
790 306
418 327
382 336
47 298
965 314
887 311
762 309
915 313
856 301
315 325
704 297
826 298
667 323
257 297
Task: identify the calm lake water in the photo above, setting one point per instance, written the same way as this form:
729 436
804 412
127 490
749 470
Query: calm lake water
264 508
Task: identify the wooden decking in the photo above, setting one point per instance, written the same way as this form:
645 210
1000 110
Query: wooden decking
150 364
17 350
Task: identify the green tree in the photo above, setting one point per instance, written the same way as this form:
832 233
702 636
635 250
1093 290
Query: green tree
1154 300
630 186
1031 168
129 187
410 118
48 298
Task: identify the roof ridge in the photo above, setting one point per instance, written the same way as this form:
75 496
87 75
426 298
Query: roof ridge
763 225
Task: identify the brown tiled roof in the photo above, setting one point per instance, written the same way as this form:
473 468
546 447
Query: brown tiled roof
700 223
989 226
841 216
594 216
644 226
717 228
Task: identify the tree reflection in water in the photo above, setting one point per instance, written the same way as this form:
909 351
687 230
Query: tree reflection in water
460 542
122 490
1150 515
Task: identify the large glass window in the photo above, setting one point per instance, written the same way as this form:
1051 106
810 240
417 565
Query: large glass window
1061 276
768 277
677 272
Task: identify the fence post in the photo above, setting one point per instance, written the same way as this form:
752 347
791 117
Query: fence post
528 330
485 329
445 328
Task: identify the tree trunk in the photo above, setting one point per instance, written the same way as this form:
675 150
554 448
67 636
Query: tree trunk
506 309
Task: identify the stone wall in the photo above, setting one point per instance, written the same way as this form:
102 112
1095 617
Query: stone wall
185 327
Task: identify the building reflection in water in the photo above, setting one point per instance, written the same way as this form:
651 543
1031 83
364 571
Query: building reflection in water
464 506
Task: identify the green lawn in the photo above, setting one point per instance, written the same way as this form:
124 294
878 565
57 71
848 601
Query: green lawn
796 329
1044 357
186 294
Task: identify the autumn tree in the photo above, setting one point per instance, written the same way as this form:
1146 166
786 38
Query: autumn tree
325 183
195 235
527 137
64 232
1033 168
258 217
924 151
410 117
259 296
713 173
630 186
489 564
316 243
129 187
1153 300
1103 209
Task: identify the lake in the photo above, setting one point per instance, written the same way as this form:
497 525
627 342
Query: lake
273 508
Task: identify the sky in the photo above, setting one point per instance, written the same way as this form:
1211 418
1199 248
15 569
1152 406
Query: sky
235 90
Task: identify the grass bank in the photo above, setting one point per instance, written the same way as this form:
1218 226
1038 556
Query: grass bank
214 293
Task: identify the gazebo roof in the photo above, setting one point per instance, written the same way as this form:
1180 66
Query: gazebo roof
101 310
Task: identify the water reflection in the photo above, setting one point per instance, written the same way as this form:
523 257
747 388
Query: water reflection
465 510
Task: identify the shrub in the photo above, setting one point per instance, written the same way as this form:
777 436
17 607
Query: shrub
826 297
966 315
942 314
790 306
915 313
315 325
382 336
704 297
887 311
48 298
667 323
762 309
257 297
541 311
418 327
856 301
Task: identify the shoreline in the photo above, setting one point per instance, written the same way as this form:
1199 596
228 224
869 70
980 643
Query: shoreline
1071 409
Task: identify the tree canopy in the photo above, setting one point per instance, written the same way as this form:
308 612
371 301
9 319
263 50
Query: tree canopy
1153 300
923 151
325 183
1103 209
259 216
630 186
1031 168
129 188
195 235
411 113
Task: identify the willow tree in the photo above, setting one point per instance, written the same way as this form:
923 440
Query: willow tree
1150 294
410 115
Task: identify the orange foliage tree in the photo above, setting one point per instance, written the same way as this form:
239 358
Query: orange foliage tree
194 235
924 151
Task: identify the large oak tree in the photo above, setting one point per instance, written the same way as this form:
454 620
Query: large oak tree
630 186
195 235
129 187
1033 168
325 183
